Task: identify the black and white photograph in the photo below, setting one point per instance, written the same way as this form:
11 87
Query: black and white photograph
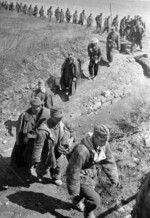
75 109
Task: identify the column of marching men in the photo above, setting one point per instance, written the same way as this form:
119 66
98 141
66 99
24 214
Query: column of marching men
132 29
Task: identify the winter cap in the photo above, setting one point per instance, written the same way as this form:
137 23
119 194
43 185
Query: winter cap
102 131
36 101
56 112
94 41
70 54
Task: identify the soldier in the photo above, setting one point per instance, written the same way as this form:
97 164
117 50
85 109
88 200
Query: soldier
6 5
94 53
30 10
62 16
133 39
50 13
57 15
115 23
122 27
69 75
75 17
68 15
41 12
26 133
49 145
35 11
98 19
17 7
139 35
81 173
112 43
127 27
44 95
25 9
82 18
89 21
106 24
20 7
11 6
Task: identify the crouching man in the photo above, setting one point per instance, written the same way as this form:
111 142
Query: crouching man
81 173
51 143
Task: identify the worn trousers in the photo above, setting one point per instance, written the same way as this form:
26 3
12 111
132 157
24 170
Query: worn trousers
91 198
93 67
42 168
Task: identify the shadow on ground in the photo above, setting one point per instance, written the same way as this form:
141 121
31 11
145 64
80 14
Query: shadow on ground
40 203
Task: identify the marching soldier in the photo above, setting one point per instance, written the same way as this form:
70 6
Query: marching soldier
75 17
82 18
68 15
35 11
41 12
98 19
112 43
89 21
50 13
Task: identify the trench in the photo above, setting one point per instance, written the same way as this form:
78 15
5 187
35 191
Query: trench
144 61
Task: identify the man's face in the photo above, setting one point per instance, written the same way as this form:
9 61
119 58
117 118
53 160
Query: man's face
70 56
36 109
98 141
56 120
41 86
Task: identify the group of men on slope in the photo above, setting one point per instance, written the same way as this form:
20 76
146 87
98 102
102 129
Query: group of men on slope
43 137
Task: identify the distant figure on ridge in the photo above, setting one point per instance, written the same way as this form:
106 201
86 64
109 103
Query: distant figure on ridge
98 19
89 21
68 15
41 12
50 13
75 17
35 11
82 18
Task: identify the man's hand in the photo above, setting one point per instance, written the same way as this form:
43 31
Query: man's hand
74 79
117 184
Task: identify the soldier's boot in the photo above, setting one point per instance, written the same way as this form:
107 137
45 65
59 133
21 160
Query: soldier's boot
79 206
89 215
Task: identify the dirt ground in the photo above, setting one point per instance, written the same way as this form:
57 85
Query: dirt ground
21 197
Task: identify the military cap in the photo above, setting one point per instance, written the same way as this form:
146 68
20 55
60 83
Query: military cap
70 54
102 131
36 101
40 81
56 112
112 28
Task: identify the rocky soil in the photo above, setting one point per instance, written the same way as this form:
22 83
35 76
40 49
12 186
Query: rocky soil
33 48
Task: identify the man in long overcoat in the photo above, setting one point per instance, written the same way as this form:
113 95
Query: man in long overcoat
69 74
